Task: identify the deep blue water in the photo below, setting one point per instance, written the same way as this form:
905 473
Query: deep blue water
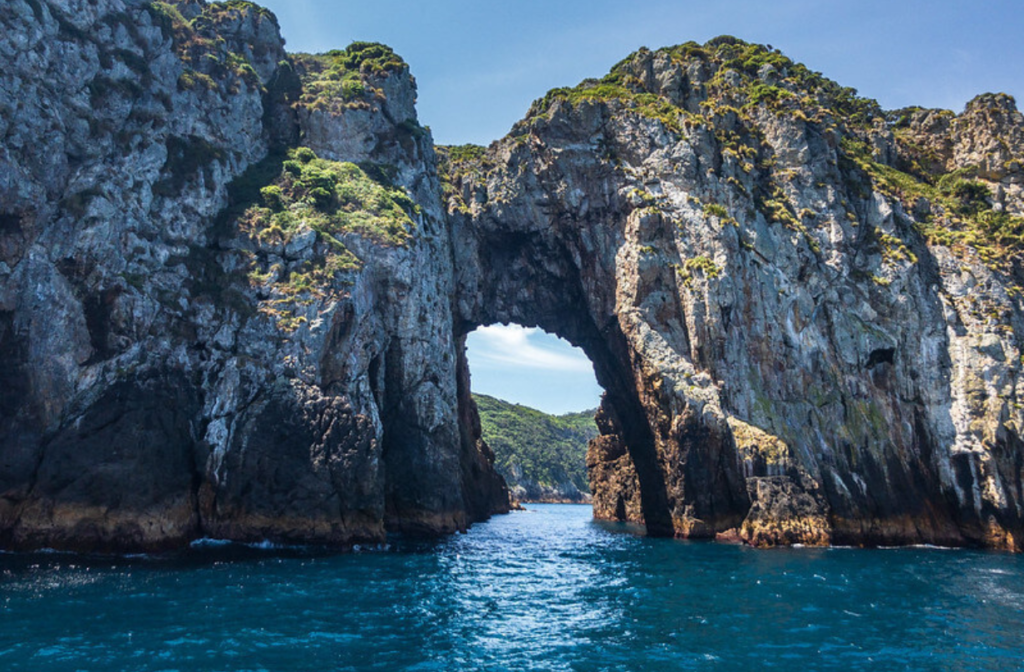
545 589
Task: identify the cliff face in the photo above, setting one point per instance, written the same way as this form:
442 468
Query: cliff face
234 292
805 314
188 352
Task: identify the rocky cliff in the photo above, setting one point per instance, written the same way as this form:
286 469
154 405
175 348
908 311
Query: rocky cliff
225 288
804 310
234 291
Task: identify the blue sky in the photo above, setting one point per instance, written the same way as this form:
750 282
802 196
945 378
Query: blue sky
531 367
480 64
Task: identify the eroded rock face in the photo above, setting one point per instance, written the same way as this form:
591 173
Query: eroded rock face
800 344
172 371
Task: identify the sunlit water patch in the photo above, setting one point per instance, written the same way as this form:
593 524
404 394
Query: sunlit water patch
545 589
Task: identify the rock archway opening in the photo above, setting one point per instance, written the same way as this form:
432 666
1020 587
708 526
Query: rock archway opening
536 269
537 396
523 375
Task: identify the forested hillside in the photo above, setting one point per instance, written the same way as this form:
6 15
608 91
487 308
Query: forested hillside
541 456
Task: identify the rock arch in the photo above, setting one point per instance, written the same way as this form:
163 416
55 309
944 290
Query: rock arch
528 277
757 388
537 263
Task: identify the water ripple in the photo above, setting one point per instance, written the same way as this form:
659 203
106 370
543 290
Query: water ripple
543 590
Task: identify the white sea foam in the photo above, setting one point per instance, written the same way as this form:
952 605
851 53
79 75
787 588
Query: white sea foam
207 542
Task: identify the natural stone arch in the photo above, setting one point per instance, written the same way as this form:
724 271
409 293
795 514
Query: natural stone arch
560 271
620 418
775 323
778 398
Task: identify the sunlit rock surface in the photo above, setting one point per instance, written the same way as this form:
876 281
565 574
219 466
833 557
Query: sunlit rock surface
805 311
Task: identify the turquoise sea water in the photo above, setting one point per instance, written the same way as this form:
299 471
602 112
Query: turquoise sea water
546 589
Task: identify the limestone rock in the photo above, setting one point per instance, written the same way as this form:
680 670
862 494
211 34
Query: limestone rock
171 372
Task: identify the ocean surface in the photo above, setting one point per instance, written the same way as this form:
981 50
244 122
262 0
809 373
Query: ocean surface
545 589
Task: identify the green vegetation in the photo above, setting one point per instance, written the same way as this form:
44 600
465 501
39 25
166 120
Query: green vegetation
331 198
703 263
744 82
622 88
894 249
344 78
716 210
216 13
207 61
707 267
461 164
465 153
296 192
814 93
735 87
548 449
961 214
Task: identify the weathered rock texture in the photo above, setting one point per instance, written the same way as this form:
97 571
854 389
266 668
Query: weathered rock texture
804 333
168 371
805 312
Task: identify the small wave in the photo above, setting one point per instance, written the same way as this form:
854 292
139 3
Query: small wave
924 547
207 542
265 545
999 572
52 551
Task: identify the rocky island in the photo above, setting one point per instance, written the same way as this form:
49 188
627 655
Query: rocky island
236 283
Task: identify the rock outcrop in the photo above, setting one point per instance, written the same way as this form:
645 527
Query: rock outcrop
179 361
805 312
234 292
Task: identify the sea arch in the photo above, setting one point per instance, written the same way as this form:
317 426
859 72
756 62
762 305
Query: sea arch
553 271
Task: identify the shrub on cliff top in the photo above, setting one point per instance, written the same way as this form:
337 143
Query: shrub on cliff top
344 78
796 90
370 58
219 11
332 198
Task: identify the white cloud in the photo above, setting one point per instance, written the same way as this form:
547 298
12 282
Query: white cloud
511 345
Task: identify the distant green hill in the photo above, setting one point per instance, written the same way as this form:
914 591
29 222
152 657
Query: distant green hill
542 457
